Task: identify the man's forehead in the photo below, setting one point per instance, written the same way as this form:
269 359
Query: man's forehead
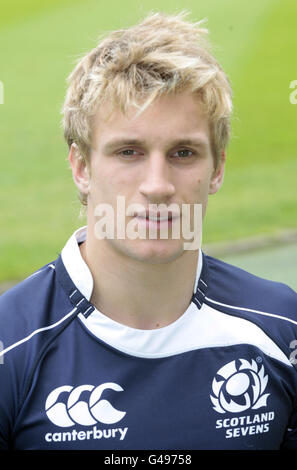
135 107
179 117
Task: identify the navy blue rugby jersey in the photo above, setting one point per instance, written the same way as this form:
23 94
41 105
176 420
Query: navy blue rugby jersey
222 376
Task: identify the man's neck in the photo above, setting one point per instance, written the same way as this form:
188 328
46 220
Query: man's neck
138 294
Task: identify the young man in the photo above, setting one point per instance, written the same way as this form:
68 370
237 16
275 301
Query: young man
132 340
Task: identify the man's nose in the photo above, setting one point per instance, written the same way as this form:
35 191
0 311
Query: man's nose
157 183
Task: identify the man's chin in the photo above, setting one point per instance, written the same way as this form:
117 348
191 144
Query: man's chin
152 251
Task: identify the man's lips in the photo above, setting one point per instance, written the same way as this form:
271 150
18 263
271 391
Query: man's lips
156 221
156 217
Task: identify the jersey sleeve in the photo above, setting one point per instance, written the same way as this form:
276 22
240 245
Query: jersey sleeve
13 368
290 438
28 313
7 398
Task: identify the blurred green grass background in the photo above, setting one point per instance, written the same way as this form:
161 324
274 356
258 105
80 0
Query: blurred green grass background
255 42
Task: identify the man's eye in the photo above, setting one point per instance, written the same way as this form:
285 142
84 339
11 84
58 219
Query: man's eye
184 153
128 153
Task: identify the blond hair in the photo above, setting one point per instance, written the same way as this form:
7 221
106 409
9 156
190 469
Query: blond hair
162 54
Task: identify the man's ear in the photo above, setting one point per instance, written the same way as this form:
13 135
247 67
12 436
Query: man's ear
80 169
218 175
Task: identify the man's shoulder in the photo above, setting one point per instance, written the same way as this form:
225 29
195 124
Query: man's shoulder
35 302
27 291
238 288
270 305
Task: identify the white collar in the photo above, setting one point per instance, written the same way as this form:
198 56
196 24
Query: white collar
179 336
75 265
79 271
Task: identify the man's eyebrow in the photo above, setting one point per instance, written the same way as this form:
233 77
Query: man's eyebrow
195 142
112 144
121 142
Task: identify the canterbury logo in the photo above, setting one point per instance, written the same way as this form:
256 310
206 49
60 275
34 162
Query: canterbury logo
77 411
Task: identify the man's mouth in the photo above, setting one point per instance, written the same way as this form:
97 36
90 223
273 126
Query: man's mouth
154 217
156 220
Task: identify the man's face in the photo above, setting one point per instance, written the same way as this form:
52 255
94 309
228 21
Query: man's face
163 156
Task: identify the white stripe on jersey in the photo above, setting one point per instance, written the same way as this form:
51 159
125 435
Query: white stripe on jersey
274 315
39 330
